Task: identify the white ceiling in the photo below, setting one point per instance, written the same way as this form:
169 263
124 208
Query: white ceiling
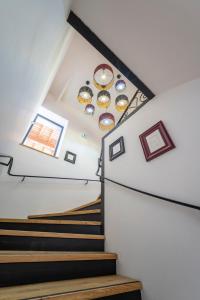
158 40
78 65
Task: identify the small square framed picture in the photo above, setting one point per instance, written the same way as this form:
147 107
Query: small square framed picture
117 148
156 141
70 157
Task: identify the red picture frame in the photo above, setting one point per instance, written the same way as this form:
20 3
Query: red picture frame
156 141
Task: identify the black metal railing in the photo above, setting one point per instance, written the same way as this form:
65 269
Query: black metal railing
99 169
153 195
138 100
9 164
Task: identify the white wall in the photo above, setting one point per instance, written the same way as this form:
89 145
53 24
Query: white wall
34 196
158 242
41 196
34 37
176 173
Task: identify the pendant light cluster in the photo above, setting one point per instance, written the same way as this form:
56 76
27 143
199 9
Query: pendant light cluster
103 99
121 102
120 85
85 95
89 109
106 121
103 79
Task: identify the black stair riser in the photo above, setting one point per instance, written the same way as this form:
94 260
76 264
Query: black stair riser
94 206
26 273
49 244
126 296
87 229
84 217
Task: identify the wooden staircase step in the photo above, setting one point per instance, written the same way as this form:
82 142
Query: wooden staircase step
67 226
78 289
49 241
9 257
65 214
93 205
54 222
25 267
56 235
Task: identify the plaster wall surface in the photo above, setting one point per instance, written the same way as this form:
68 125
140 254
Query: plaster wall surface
157 242
34 37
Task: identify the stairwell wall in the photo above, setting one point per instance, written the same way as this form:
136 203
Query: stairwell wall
157 241
34 37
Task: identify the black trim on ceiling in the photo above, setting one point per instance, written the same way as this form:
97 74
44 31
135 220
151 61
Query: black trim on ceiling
93 39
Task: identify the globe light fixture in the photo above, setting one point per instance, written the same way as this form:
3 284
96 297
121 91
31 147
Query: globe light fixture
103 77
85 95
106 121
103 99
89 109
120 85
121 103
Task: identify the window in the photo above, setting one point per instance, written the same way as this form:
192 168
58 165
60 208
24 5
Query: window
44 135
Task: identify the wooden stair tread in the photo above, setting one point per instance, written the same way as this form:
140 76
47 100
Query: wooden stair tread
54 222
86 288
70 213
46 256
97 201
5 232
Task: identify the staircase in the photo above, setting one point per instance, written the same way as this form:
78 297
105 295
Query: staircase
60 256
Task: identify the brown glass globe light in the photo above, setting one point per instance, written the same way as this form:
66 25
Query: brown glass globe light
106 121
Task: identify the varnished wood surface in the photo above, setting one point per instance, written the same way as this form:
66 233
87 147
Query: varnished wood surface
54 222
96 293
85 205
76 289
50 234
44 256
70 213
